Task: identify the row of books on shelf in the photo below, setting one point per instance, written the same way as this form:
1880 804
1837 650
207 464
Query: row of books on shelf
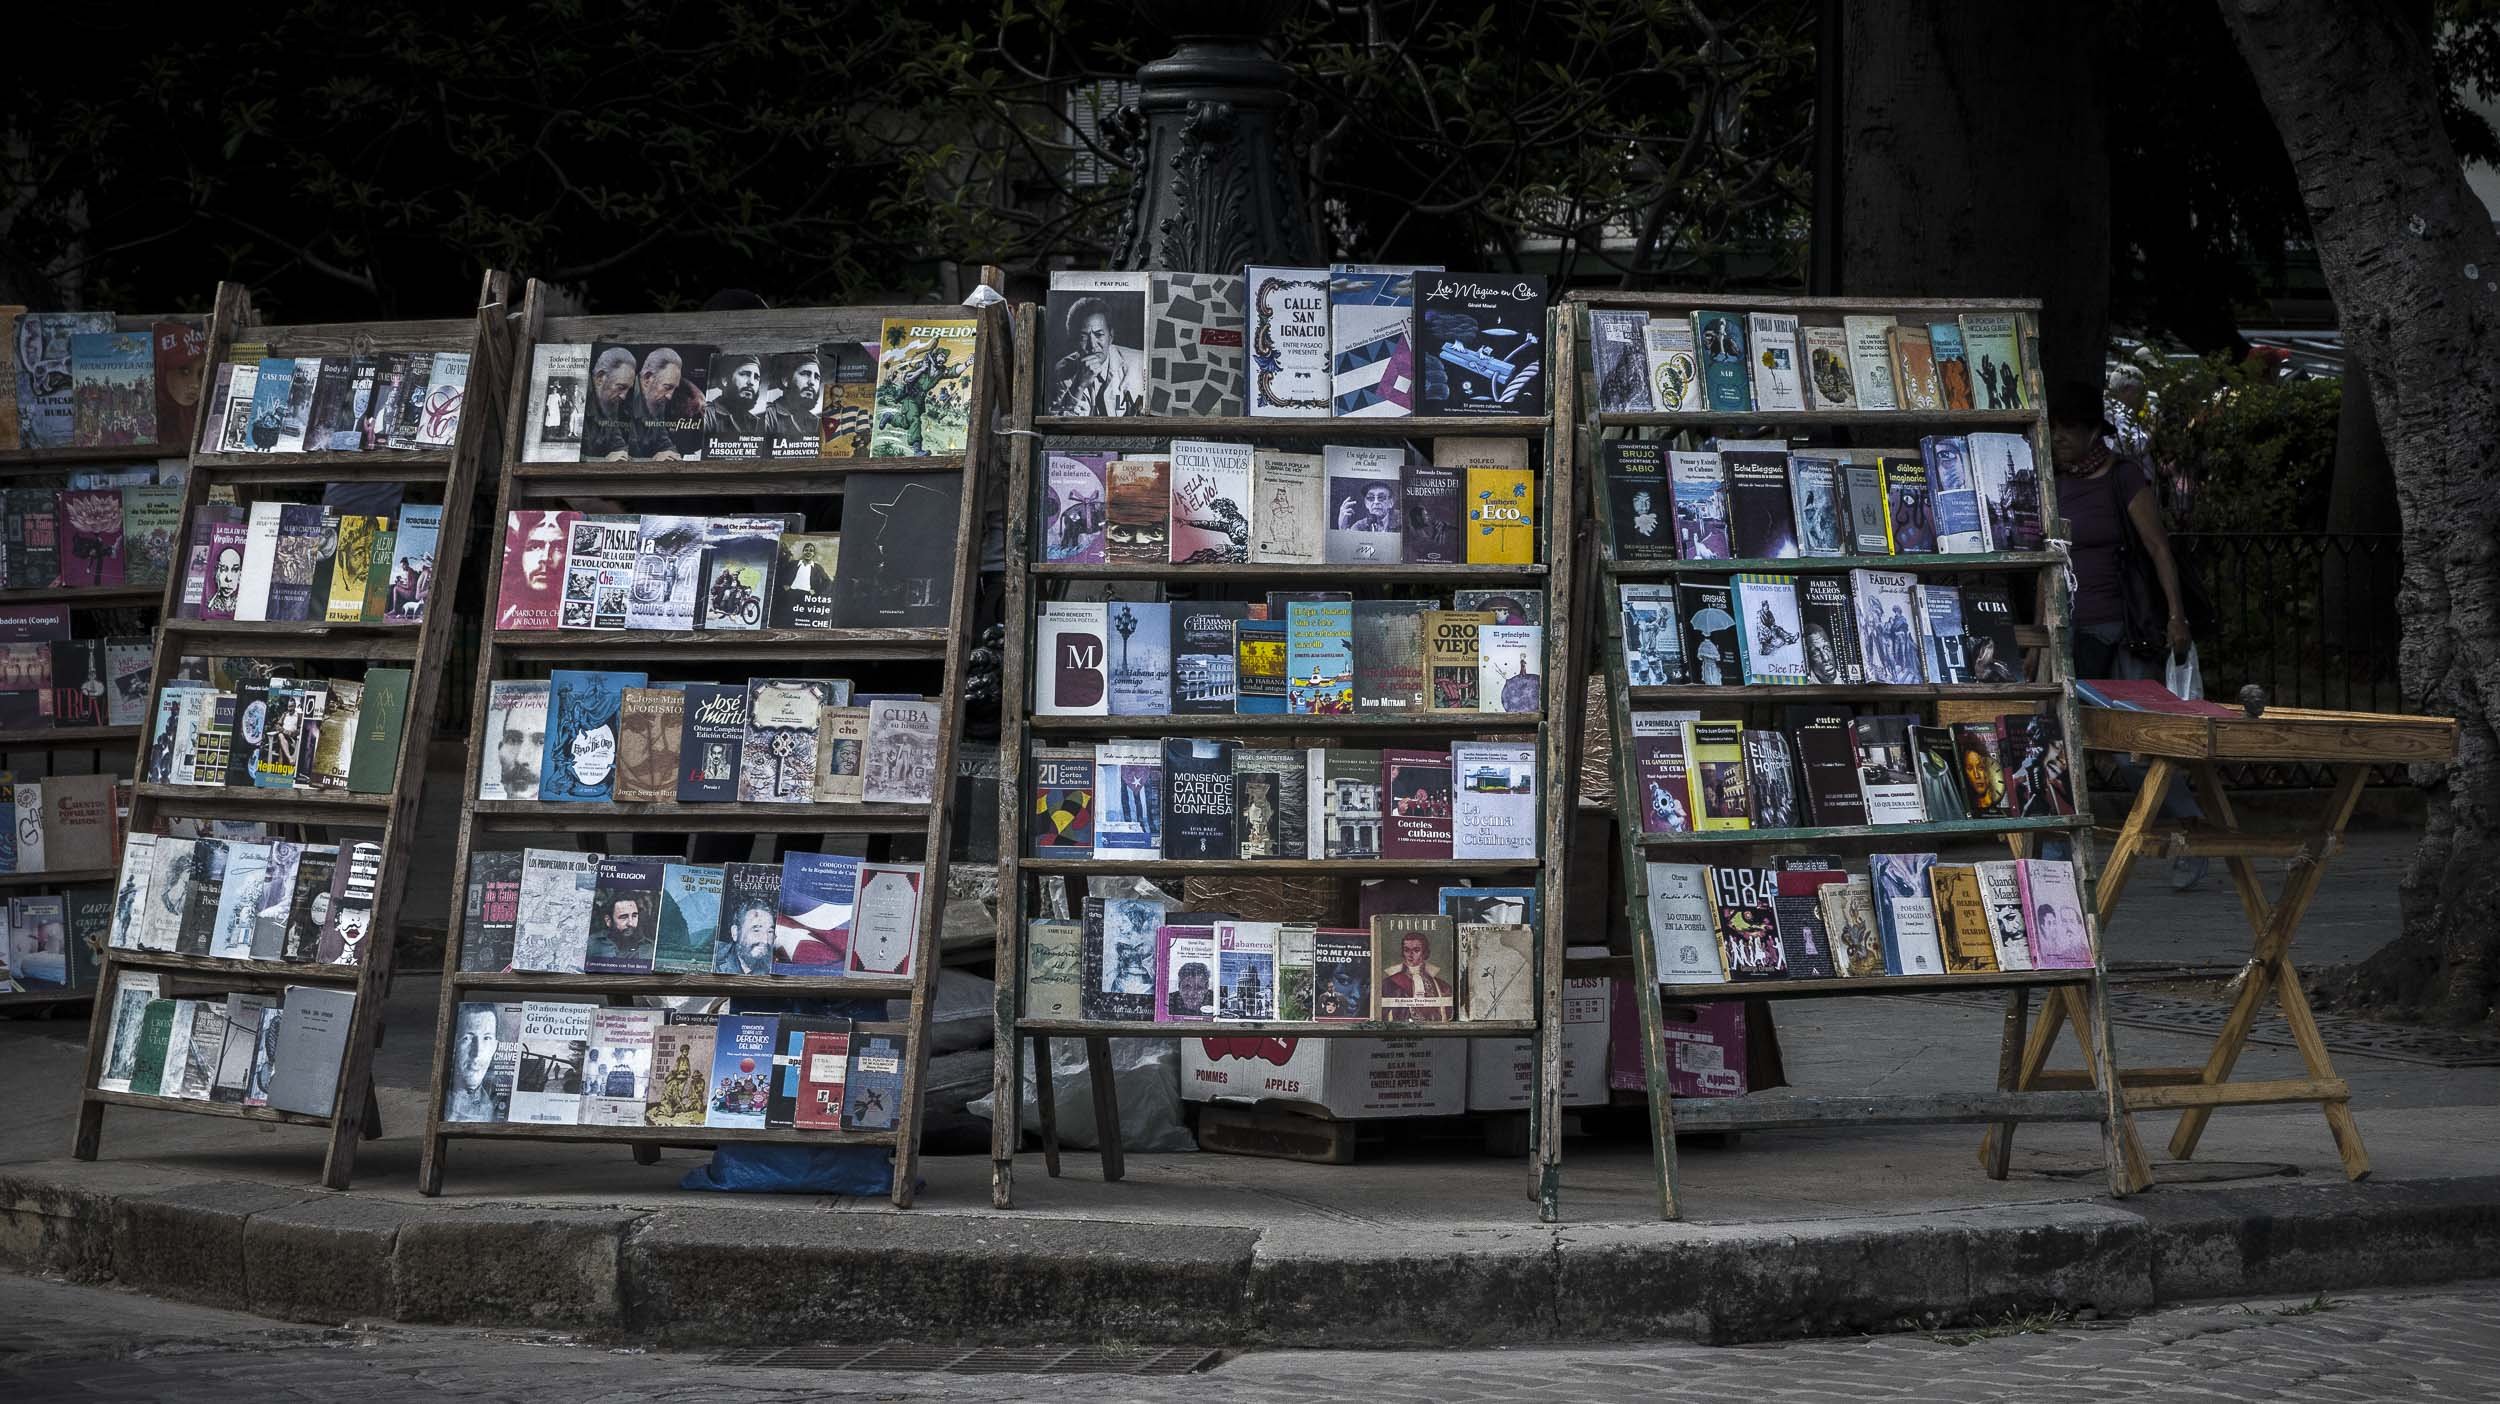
335 404
1755 500
1204 798
1665 362
50 940
358 556
1349 340
610 571
906 394
1831 770
1214 503
280 732
554 1063
244 1050
62 823
812 915
83 380
1772 630
65 682
244 899
587 737
1310 652
1141 959
1808 917
83 538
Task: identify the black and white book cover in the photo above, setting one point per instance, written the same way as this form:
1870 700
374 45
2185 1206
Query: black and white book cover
1814 489
733 408
1643 528
1204 663
1830 629
897 565
794 404
1483 343
1198 798
559 401
1094 344
1761 517
646 402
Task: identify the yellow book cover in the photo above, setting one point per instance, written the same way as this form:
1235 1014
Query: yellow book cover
351 570
1715 774
1963 917
1501 516
924 387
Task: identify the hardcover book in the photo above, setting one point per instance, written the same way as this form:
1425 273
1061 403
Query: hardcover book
1074 503
1070 678
1763 521
1618 342
1640 525
1451 659
1365 521
710 743
1141 658
1887 771
1062 816
1211 500
1197 798
1683 925
1289 516
1128 800
1674 371
1702 528
1371 340
1319 657
1194 344
1350 802
1726 378
1481 344
1778 381
1770 635
1885 604
1094 343
583 708
651 722
1290 348
1389 655
1139 514
1743 900
624 916
1415 963
924 387
1707 610
1493 792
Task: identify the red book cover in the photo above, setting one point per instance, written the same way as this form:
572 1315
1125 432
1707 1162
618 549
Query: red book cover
1415 801
533 569
2146 695
823 1059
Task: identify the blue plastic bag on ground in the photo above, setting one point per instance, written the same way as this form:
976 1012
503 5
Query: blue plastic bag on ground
769 1169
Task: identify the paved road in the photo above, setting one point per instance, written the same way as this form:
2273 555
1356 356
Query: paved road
60 1342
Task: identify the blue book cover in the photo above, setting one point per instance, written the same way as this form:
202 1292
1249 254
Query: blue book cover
1719 342
819 892
1495 906
1141 659
1371 315
269 397
1902 904
1954 489
689 918
742 1070
1319 657
1940 628
872 1096
412 561
579 765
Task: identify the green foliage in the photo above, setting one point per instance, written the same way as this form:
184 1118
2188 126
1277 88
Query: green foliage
2260 453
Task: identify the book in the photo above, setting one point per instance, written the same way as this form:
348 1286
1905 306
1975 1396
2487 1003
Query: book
1289 512
1371 340
1962 930
817 1081
1869 522
531 595
1909 505
151 525
898 764
1350 802
1960 528
1770 637
46 388
1365 523
1204 662
742 1060
1480 344
249 599
247 1014
1259 667
1138 519
733 411
2060 937
1140 647
89 533
2039 771
1742 901
134 992
351 568
1074 503
2000 894
1663 770
1210 503
1290 351
924 387
665 586
551 929
579 765
1887 772
1914 368
1061 822
896 568
488 918
1128 800
1492 799
1706 608
1714 755
80 680
1417 803
446 395
1762 518
885 925
750 917
738 557
1771 791
777 753
1778 379
1271 788
1797 910
1814 493
1639 526
1194 343
1509 668
847 418
558 404
1319 657
1452 659
1990 653
1054 968
651 722
1619 358
1431 502
1905 913
485 1062
681 1070
1119 958
1185 963
1830 631
1683 924
1848 912
1496 973
1094 343
1944 345
1415 965
1977 765
1341 976
1245 970
1071 677
1886 607
624 916
1501 515
1703 529
1389 655
599 554
711 742
1831 385
842 756
1939 764
818 901
1996 362
1674 371
112 388
2009 490
313 1025
1720 339
1296 971
1198 798
872 1090
616 1074
1940 632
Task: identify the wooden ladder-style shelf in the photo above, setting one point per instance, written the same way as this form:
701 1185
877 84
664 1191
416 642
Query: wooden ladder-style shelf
450 471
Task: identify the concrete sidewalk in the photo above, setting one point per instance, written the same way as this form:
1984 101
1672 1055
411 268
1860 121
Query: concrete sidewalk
1786 1233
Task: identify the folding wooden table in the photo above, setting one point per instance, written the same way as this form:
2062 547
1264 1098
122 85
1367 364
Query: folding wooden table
2197 738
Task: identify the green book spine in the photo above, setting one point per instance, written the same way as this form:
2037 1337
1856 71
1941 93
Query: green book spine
156 1032
379 724
378 578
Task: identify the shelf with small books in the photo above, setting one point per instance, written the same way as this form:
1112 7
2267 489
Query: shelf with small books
704 517
1845 633
290 693
1275 735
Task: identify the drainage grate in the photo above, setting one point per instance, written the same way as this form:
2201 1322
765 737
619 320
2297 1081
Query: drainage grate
977 1360
2360 1038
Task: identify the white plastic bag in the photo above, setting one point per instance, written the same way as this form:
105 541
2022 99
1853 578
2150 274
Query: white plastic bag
2180 674
1146 1076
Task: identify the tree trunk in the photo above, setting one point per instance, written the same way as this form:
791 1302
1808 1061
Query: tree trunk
2359 580
1974 166
2411 258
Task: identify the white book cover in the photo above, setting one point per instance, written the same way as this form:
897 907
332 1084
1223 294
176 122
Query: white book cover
130 891
551 931
885 924
1772 635
1683 925
899 765
555 1047
1071 675
1128 800
1830 384
1366 512
132 994
1777 383
616 1072
446 393
1493 794
168 896
260 557
239 900
1315 801
665 582
1210 514
1888 632
178 1048
30 858
1870 361
558 403
1509 670
1288 508
2001 892
235 429
515 742
1916 937
1496 972
1289 342
1674 371
1245 970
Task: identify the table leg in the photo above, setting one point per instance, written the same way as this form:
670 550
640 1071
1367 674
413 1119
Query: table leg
2131 839
1106 1107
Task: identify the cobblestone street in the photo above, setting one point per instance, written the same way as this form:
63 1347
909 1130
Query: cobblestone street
75 1343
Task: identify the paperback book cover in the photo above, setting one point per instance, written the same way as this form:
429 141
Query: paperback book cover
1205 662
1296 973
1289 516
1141 658
2001 902
1481 343
1962 930
1259 647
1743 899
711 740
532 592
558 405
885 927
742 1066
1365 522
1071 677
2060 940
812 925
803 595
1415 958
487 921
1371 340
1674 371
1726 379
1319 657
1960 528
1940 784
1496 973
1944 343
1054 969
1341 976
1493 795
1418 803
850 405
651 723
1185 962
2039 772
1683 925
1618 342
1909 505
1270 802
733 410
777 755
598 571
1905 913
1501 516
1640 527
547 1079
1290 349
616 1078
924 387
1885 604
1509 668
1703 531
1119 956
551 929
1350 802
1814 488
2009 490
1830 627
1887 770
1194 343
1094 343
1074 506
91 541
1210 522
681 1070
1128 800
667 576
1715 759
1245 970
1940 629
583 710
1796 905
1451 660
1707 610
1830 383
1664 772
897 564
738 555
1982 772
1770 635
1914 368
1771 781
1389 655
872 1090
1996 363
1431 495
1763 520
1062 819
1139 515
1778 382
1198 798
750 918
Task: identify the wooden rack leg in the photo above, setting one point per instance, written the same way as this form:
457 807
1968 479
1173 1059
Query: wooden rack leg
1996 1149
646 1153
1106 1107
2088 1011
1046 1104
373 1114
90 1138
